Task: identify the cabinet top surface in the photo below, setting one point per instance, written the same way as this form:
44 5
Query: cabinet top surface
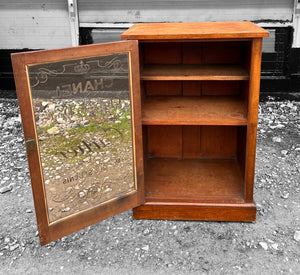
201 30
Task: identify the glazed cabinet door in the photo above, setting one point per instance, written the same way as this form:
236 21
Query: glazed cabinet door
81 118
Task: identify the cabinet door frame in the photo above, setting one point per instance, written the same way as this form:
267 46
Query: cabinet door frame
49 232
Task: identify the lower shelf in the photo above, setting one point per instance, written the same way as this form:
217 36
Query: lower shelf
193 189
193 180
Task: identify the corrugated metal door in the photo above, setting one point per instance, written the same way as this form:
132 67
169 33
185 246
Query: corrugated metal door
120 11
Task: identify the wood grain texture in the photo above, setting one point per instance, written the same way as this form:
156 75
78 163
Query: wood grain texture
238 212
191 88
205 110
221 87
193 180
50 232
194 72
162 53
218 142
164 141
202 30
170 88
191 141
194 88
218 52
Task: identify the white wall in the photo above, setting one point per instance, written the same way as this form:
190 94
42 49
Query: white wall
41 24
35 24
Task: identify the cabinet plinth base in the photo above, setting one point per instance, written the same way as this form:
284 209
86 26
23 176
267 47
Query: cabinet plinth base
241 212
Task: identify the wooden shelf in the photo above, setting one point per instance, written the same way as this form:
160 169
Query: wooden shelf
189 31
194 72
204 110
193 180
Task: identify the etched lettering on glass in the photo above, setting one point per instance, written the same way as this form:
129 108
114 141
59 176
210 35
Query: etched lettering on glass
83 120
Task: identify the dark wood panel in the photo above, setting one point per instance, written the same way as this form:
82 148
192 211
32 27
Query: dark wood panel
165 141
221 52
218 141
191 88
192 53
221 87
162 53
163 88
191 141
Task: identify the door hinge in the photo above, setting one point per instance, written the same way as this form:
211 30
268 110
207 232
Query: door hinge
30 144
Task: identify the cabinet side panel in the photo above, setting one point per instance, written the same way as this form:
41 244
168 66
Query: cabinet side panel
252 117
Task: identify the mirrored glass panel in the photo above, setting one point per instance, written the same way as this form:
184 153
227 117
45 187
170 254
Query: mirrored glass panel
83 120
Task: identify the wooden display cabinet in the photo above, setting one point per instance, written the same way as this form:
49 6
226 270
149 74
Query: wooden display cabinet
165 123
200 90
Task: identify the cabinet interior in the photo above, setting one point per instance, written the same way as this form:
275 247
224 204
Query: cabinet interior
194 115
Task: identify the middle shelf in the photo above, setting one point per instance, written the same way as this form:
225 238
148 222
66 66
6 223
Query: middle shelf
204 110
194 72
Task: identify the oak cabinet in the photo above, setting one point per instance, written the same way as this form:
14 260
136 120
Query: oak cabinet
199 90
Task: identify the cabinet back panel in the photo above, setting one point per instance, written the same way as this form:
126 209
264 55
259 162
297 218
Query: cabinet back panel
220 87
164 141
168 88
195 88
162 53
191 88
212 142
191 142
221 53
218 141
225 52
192 53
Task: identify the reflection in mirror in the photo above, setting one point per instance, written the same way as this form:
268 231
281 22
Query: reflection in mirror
83 120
